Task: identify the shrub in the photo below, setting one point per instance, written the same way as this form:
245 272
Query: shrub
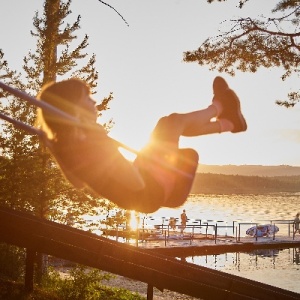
84 284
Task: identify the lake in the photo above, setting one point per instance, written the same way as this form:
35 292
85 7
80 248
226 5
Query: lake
279 268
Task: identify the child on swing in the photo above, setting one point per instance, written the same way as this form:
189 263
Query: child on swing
161 171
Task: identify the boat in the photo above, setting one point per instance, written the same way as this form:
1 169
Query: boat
262 230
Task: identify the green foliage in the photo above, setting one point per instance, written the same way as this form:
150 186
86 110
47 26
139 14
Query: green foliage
12 261
84 284
29 178
252 43
13 290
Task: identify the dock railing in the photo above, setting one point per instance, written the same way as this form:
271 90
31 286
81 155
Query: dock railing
163 272
201 229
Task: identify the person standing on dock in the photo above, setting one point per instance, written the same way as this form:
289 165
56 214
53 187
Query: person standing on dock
172 223
184 219
296 224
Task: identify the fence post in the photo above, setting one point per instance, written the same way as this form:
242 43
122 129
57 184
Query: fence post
256 237
216 232
233 228
165 238
149 292
294 233
29 270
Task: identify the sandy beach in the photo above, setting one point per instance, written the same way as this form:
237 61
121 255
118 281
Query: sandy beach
141 288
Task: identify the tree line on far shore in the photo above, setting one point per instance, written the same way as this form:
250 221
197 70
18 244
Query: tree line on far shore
208 183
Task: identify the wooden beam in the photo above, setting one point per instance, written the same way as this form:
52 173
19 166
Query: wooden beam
157 270
29 269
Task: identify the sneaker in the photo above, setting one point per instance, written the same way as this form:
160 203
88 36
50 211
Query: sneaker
230 104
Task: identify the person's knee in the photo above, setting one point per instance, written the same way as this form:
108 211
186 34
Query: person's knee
166 123
168 128
171 119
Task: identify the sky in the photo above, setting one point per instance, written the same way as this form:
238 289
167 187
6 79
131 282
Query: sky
142 64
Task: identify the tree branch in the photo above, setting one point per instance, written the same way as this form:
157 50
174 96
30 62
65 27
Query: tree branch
114 10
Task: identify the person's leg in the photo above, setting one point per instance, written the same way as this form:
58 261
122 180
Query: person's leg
161 155
225 108
196 123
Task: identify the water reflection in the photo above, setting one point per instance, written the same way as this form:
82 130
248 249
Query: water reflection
277 267
296 256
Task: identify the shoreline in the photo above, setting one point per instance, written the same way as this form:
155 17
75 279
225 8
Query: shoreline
183 246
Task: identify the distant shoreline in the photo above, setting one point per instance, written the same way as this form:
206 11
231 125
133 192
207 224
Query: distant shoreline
250 170
209 183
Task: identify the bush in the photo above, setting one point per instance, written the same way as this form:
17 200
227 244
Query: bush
12 261
84 284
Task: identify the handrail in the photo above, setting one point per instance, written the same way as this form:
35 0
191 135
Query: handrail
163 272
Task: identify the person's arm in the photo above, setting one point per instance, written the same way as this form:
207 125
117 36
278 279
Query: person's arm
127 173
76 182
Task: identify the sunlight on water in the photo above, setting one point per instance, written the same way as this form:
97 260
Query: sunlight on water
225 209
274 267
238 207
279 268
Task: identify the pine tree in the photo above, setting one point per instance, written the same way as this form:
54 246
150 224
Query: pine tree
30 179
251 43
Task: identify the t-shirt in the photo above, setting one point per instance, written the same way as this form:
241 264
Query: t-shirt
96 161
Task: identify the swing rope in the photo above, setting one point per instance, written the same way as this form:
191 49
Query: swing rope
20 125
66 118
51 109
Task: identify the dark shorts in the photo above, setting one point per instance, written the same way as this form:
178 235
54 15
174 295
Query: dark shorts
166 130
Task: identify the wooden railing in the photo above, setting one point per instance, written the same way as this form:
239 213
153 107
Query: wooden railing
160 271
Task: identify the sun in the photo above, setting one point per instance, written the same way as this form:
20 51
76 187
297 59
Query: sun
134 220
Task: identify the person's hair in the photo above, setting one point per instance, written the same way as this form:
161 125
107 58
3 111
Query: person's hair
64 95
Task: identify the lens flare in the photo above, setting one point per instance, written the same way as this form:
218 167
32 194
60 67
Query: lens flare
134 220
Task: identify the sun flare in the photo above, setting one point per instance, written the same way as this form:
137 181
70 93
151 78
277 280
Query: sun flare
134 220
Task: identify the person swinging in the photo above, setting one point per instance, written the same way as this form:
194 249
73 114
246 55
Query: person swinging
161 175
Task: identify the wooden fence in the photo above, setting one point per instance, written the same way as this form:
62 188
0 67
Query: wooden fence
157 270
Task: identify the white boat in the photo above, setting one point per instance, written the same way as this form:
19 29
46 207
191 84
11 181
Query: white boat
262 230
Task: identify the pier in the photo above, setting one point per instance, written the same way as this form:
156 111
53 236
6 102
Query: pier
205 236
